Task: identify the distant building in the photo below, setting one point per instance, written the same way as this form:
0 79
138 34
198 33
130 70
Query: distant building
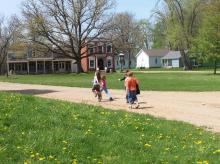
98 55
172 60
150 58
30 64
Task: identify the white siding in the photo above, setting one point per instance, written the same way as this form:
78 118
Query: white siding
155 61
142 60
175 63
73 66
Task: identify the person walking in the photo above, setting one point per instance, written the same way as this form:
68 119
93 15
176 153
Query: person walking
96 85
131 89
104 87
124 78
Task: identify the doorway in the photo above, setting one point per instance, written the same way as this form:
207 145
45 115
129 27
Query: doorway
101 64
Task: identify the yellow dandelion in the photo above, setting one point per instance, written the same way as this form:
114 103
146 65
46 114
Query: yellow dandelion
74 161
147 145
32 155
65 142
217 151
198 142
41 158
51 157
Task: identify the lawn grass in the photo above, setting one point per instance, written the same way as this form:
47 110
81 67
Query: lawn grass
155 81
36 130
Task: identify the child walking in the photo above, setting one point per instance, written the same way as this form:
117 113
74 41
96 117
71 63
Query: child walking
104 87
96 85
131 88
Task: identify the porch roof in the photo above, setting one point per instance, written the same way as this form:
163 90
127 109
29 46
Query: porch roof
172 55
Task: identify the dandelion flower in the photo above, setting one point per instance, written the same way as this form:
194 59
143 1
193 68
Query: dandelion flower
147 145
65 142
74 161
42 158
217 151
198 142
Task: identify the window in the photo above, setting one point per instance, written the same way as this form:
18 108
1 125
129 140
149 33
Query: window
91 63
99 49
156 61
62 65
109 49
90 50
109 63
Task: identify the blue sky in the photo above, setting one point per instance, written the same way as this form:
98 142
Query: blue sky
140 8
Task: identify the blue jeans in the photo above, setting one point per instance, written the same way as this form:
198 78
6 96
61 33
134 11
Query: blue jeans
132 97
106 91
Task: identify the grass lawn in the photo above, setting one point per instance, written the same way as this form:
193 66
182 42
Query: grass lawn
156 81
36 130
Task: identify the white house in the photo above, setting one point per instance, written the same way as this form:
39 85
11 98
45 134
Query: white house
172 60
150 58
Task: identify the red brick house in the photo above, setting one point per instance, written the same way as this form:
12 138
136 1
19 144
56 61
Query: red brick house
99 55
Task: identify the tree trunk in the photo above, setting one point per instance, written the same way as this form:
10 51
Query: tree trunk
186 61
215 67
79 67
129 59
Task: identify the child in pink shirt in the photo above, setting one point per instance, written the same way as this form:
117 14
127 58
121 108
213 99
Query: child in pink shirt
104 88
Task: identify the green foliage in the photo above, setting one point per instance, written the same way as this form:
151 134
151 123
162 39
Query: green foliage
158 32
208 40
35 130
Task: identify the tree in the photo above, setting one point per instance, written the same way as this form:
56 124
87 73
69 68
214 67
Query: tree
145 38
181 19
208 41
126 34
67 26
158 35
9 31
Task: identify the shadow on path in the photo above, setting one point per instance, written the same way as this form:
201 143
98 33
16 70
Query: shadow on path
31 91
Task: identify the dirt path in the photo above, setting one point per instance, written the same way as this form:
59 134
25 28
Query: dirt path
198 108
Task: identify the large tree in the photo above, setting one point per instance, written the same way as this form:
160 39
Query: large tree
181 19
207 44
127 34
66 26
9 32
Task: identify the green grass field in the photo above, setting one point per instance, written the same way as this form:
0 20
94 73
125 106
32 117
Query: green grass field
36 130
155 81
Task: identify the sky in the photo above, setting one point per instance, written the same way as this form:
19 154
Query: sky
141 9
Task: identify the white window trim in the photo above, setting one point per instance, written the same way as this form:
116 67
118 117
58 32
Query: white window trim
107 48
93 61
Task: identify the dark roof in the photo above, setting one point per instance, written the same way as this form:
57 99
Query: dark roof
172 55
156 52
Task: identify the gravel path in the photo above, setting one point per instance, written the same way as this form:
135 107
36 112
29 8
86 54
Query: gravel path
198 108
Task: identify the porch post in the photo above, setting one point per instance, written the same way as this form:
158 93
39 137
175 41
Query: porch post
14 67
7 68
44 67
36 66
52 66
28 69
